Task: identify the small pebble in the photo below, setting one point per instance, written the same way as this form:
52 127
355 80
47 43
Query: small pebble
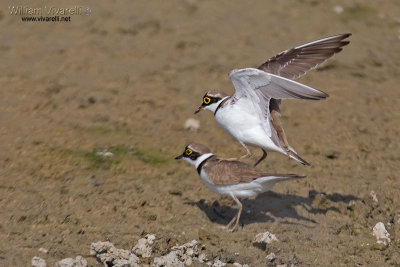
43 250
105 153
381 234
79 261
219 263
338 9
266 237
192 125
271 257
38 262
373 196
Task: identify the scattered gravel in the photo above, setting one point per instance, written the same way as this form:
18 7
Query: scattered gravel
188 254
169 260
109 255
180 255
184 254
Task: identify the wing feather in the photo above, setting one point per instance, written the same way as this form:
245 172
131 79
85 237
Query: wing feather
310 55
251 82
222 172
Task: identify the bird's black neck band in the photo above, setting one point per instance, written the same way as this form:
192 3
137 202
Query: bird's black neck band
220 105
202 163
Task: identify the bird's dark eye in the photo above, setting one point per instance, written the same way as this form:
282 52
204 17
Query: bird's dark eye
206 100
188 152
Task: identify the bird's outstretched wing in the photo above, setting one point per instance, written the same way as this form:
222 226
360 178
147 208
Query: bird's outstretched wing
255 82
259 87
295 62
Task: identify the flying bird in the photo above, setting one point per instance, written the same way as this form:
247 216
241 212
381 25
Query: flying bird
252 114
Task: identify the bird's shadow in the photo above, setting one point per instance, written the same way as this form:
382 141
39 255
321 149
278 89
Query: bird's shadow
278 205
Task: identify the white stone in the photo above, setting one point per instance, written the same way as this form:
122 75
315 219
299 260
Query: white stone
192 125
266 238
202 257
219 263
79 261
105 153
271 257
38 262
68 262
107 253
169 260
373 196
338 9
143 248
382 236
43 250
187 252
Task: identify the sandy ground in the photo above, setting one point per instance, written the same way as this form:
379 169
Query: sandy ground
125 79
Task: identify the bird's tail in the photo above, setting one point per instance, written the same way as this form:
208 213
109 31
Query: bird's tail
268 181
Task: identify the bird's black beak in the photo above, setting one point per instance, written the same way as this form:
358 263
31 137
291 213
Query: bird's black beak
179 157
199 109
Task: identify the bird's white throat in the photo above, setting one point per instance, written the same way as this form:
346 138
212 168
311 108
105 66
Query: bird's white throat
213 107
199 160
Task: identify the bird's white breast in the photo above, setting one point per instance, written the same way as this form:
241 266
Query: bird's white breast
242 121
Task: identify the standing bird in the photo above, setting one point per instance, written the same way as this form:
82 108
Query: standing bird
232 178
252 114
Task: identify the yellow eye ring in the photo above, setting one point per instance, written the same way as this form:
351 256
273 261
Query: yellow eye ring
206 100
188 152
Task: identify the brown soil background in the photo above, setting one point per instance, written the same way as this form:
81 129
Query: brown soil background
127 77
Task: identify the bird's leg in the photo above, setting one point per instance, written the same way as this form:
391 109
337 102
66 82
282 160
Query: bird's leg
264 155
248 153
276 122
234 228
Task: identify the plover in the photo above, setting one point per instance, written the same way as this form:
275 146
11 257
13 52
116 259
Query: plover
252 114
232 178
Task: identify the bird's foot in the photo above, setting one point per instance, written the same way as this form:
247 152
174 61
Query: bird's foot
228 228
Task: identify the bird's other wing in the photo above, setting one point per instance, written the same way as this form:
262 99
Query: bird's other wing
250 82
295 62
